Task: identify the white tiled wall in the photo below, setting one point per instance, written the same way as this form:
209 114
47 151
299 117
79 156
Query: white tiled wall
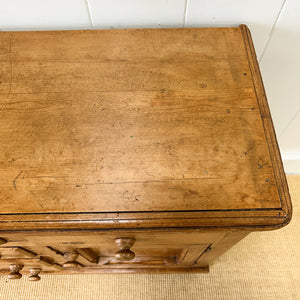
137 13
259 15
275 26
43 14
280 66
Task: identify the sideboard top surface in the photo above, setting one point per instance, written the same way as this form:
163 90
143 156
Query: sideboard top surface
156 124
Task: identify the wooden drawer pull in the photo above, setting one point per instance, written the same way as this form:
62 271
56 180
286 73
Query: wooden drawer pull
15 271
34 274
125 253
71 262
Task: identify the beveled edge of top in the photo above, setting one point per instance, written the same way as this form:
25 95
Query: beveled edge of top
269 130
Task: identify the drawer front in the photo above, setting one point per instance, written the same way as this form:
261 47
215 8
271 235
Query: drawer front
143 251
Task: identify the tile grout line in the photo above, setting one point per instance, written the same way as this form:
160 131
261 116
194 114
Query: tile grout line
185 13
289 123
88 8
272 30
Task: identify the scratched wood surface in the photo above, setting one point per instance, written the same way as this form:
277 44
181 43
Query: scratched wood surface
135 121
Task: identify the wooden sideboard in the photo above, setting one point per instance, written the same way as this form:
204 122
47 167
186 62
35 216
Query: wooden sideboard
133 150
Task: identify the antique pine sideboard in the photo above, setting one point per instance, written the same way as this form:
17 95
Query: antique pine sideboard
134 150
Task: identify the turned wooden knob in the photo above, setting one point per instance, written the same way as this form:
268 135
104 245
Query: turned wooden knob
124 253
15 271
71 262
34 274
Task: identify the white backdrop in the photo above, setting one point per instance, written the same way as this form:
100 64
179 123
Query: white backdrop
275 27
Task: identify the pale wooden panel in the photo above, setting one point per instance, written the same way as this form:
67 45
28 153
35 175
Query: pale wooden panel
132 45
134 120
191 253
220 247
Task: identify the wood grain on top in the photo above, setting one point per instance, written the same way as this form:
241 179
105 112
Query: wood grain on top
133 121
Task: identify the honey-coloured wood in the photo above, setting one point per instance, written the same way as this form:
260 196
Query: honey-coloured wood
191 254
88 254
25 252
46 261
2 241
167 114
133 150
